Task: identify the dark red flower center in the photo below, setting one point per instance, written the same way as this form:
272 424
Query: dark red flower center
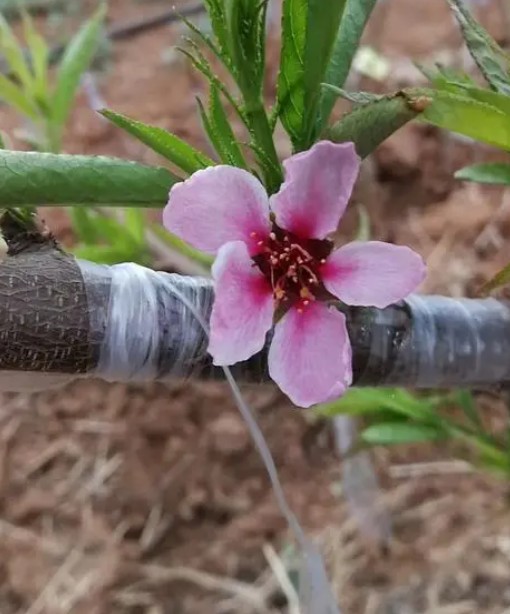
292 267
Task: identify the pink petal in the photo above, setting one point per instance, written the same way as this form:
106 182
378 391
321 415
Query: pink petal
318 185
372 273
310 355
243 306
217 205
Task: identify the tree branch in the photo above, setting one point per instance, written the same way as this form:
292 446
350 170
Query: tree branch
61 316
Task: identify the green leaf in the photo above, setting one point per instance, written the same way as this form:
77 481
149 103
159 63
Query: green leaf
390 433
16 98
246 24
31 178
354 19
220 132
135 224
111 230
39 54
446 78
216 11
106 254
309 31
370 124
496 173
492 61
199 61
477 120
290 92
485 96
502 278
366 401
13 53
323 24
162 142
466 401
75 61
84 224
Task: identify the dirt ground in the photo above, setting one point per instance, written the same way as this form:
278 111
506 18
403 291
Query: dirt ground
152 500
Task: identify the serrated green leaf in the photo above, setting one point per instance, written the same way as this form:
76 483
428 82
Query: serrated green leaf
13 53
309 31
469 117
75 61
354 19
216 11
220 132
246 25
162 142
202 65
16 98
391 433
367 126
497 173
492 61
32 178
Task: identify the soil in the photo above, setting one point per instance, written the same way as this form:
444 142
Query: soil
152 499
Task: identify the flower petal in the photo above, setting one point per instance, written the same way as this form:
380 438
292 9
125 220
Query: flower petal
243 306
217 205
310 355
318 185
372 273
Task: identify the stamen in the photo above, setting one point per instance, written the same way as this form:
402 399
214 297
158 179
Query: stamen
313 276
253 235
260 243
323 260
303 251
272 236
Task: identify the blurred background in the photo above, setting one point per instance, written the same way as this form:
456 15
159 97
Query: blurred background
151 499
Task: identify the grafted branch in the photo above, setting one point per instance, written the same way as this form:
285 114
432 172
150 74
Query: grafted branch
54 318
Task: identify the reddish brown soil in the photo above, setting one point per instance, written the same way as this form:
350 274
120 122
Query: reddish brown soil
150 500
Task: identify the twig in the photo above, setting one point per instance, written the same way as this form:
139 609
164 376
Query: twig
278 569
242 590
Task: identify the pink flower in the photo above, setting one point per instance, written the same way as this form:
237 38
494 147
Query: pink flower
274 264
